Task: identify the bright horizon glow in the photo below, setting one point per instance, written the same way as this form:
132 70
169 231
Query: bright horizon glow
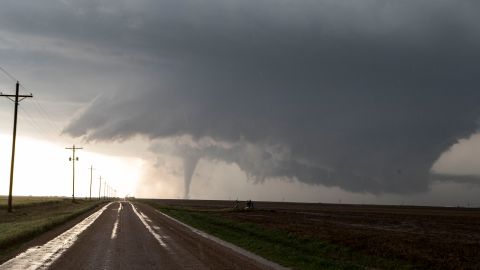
42 169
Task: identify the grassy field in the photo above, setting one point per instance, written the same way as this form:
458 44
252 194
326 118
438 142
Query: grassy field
25 201
33 216
281 246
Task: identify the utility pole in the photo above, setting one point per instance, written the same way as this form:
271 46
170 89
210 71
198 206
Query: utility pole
100 188
16 99
104 188
91 177
73 159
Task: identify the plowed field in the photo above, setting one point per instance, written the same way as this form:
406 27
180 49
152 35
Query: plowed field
426 237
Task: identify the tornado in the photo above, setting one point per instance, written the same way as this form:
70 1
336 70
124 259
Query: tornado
190 162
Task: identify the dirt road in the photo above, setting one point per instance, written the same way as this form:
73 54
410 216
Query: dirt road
123 235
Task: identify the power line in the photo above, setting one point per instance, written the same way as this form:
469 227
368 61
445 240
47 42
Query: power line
32 121
10 76
25 88
42 109
43 114
44 130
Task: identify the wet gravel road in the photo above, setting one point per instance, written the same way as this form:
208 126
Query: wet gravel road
123 235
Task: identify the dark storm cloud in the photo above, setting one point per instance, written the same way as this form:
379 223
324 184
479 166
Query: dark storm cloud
364 95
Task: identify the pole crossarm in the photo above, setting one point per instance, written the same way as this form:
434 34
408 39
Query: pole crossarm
18 97
12 96
72 148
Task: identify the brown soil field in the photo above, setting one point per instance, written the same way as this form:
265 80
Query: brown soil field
427 237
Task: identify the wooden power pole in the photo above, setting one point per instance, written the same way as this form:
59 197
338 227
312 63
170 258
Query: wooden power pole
73 159
100 188
16 99
91 177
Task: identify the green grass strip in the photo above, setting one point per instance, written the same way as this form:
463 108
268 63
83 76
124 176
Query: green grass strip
32 222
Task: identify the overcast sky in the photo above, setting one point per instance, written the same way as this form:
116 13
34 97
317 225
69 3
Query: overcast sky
374 101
